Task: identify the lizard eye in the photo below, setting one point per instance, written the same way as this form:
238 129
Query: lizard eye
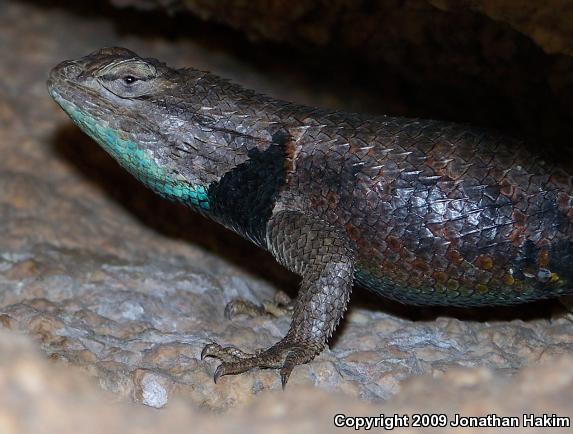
129 79
133 78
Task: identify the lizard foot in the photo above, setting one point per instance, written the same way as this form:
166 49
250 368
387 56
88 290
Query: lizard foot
281 305
284 355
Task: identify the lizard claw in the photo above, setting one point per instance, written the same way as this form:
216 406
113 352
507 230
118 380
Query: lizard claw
285 374
208 349
227 354
284 355
288 365
219 372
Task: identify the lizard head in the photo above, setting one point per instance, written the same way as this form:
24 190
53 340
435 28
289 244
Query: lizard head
133 107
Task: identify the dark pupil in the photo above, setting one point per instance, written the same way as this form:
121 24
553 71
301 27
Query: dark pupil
128 79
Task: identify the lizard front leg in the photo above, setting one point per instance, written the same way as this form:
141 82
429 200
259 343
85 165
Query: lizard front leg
323 256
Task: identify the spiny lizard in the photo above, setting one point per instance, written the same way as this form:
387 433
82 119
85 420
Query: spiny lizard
420 211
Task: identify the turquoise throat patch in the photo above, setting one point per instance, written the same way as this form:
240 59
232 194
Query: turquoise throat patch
139 161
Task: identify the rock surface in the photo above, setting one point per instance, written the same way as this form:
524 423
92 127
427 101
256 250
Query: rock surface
111 279
548 23
38 398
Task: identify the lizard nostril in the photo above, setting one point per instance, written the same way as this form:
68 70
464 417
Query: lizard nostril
67 69
73 70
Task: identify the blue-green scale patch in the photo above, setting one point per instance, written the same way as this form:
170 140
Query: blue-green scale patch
139 161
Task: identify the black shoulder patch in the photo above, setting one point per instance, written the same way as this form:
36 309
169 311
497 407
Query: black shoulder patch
280 137
244 197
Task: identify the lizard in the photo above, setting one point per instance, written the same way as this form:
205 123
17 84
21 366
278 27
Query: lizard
424 212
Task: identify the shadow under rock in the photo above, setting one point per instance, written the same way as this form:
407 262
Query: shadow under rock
177 221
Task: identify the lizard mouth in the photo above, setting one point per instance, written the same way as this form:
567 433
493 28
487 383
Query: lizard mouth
53 91
64 86
52 84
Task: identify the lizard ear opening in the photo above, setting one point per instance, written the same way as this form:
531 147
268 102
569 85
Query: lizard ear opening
131 78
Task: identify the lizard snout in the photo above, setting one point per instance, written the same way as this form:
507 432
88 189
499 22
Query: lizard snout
67 69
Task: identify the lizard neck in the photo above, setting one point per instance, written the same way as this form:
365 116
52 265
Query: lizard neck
140 161
242 198
237 146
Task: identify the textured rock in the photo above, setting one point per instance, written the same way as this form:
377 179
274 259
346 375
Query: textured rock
38 398
547 22
111 279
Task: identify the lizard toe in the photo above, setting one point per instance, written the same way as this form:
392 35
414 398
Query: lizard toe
280 306
239 306
225 354
284 356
